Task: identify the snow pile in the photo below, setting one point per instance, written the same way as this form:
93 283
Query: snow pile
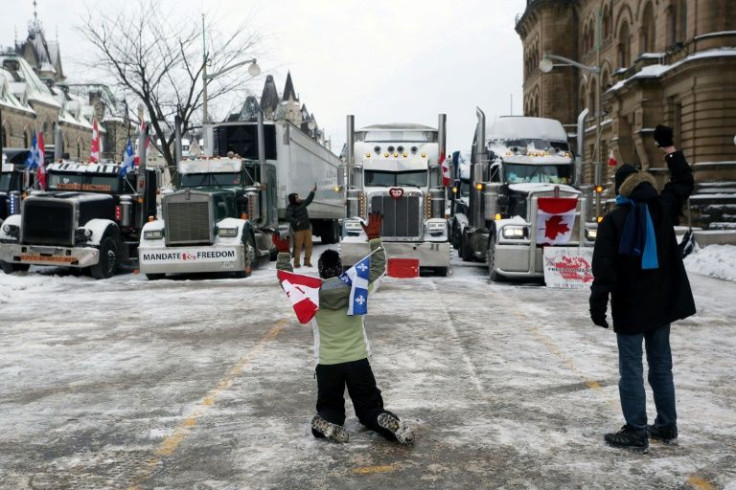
714 260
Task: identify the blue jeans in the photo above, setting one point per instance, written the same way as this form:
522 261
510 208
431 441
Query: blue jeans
631 382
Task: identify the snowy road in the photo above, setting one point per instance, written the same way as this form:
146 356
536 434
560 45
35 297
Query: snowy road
209 383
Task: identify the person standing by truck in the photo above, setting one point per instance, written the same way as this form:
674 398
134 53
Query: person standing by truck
637 261
298 217
342 350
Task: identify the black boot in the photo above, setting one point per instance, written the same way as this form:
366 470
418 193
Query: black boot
666 434
629 438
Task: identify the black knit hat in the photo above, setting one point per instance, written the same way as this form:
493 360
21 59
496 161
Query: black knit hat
623 172
329 264
292 197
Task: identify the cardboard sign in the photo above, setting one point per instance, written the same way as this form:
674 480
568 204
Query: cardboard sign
568 267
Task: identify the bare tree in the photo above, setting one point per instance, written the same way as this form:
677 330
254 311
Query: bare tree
158 56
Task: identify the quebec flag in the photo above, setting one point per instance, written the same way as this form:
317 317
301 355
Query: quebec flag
128 162
357 277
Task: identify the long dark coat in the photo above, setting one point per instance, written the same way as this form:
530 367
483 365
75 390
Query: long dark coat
645 299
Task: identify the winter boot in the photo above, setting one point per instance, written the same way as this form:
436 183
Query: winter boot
399 429
629 438
333 432
666 434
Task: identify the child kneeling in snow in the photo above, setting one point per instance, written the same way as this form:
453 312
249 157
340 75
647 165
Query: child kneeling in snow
341 349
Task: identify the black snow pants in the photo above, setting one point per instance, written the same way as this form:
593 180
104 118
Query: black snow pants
366 397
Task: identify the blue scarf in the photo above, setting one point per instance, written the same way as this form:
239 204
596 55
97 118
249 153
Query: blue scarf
638 239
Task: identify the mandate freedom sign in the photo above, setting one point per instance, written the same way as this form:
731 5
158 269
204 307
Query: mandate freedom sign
568 267
185 255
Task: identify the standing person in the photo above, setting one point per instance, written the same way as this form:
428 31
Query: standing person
637 261
342 350
298 216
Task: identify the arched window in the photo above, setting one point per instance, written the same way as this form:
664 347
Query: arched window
647 34
4 137
26 140
624 46
607 22
79 150
593 94
583 96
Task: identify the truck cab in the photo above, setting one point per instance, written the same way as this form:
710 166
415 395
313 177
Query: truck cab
517 165
396 172
214 221
88 218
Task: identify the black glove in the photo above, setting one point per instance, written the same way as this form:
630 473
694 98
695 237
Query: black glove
598 304
663 136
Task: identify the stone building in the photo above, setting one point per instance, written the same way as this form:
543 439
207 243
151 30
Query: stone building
647 62
35 96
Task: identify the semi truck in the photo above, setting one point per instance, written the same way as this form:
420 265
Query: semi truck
516 165
228 205
395 169
89 218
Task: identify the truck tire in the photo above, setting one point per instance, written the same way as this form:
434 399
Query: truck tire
491 258
466 253
9 267
155 277
108 263
330 232
441 271
249 256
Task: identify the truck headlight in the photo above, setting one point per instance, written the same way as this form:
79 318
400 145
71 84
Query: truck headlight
514 232
227 232
153 234
436 227
11 230
82 235
591 234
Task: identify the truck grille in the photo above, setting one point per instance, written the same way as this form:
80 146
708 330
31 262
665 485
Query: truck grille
401 217
188 222
48 223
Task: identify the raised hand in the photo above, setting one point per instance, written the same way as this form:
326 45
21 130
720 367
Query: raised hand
373 228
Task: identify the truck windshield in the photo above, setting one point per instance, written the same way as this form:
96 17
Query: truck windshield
209 179
397 136
396 179
89 183
544 174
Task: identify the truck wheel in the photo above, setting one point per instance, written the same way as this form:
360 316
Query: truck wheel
441 271
9 267
155 277
250 258
466 253
491 258
330 232
108 263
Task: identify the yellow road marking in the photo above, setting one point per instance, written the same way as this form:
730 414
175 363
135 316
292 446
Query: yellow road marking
168 446
700 483
372 470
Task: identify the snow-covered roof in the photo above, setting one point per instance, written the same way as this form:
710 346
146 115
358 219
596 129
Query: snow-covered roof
33 86
7 96
656 71
218 165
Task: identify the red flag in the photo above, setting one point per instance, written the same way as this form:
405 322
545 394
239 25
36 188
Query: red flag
303 292
445 165
41 169
94 156
555 219
612 162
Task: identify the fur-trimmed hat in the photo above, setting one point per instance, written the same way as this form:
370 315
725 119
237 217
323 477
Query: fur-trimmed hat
628 178
292 197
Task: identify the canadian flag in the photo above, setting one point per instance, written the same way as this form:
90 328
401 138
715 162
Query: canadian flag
303 292
612 162
41 169
445 166
555 219
94 155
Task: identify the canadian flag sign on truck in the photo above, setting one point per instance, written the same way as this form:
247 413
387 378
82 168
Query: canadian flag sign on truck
555 219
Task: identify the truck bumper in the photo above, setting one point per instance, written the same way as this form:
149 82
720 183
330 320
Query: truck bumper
519 261
49 255
185 260
429 254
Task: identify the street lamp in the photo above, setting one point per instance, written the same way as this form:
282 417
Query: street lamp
547 65
253 70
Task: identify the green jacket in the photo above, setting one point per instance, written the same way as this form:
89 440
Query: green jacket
339 338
